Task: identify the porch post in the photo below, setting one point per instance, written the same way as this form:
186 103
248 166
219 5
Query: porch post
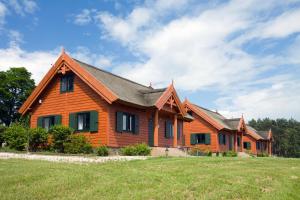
175 131
156 128
270 147
242 142
235 142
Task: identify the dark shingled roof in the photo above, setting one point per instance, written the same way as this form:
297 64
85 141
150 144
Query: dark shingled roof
230 124
233 123
263 134
125 89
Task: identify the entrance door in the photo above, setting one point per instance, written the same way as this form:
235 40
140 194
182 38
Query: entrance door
151 133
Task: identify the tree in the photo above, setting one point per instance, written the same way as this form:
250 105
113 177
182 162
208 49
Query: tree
15 86
286 135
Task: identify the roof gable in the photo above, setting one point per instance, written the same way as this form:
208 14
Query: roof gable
215 121
63 62
170 96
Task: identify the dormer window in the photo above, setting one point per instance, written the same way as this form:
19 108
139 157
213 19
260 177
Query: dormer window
67 83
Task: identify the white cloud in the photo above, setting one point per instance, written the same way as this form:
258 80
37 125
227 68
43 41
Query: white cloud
281 99
3 12
202 50
284 25
39 62
85 55
23 7
36 62
84 17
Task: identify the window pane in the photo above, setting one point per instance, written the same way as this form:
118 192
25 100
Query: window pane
80 122
47 123
63 84
70 83
86 121
124 122
130 123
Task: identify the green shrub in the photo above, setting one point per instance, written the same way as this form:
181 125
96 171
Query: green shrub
217 154
209 153
2 129
77 144
60 135
224 154
128 151
136 150
16 136
262 155
37 138
142 149
102 151
231 154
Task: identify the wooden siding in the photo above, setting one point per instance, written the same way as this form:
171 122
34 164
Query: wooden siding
117 139
247 138
198 125
83 98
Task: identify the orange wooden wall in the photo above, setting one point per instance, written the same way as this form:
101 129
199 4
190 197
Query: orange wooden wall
247 138
83 98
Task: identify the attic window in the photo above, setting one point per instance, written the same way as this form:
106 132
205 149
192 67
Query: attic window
67 83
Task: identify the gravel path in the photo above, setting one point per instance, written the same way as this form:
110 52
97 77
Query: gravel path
70 159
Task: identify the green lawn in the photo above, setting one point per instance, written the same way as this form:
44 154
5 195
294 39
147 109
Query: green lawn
159 178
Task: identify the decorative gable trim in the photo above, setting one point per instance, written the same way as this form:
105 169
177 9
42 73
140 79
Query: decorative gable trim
170 96
65 63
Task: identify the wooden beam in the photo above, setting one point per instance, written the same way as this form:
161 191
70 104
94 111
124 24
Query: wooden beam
175 131
156 128
235 142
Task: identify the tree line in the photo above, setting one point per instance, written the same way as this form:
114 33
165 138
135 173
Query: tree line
286 135
16 85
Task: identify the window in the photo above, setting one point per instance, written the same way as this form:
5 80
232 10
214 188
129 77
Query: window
222 139
247 145
168 129
238 141
258 145
179 129
67 83
83 121
48 122
200 138
127 122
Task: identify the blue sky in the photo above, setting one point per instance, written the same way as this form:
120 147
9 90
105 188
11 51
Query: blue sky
237 57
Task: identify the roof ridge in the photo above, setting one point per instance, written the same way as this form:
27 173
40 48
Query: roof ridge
232 119
208 110
152 91
113 74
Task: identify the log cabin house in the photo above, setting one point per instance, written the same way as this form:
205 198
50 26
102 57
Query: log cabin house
210 131
113 111
108 109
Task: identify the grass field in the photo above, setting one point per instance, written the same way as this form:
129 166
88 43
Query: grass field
159 178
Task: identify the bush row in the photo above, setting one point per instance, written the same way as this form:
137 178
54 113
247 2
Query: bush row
59 139
200 152
136 150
